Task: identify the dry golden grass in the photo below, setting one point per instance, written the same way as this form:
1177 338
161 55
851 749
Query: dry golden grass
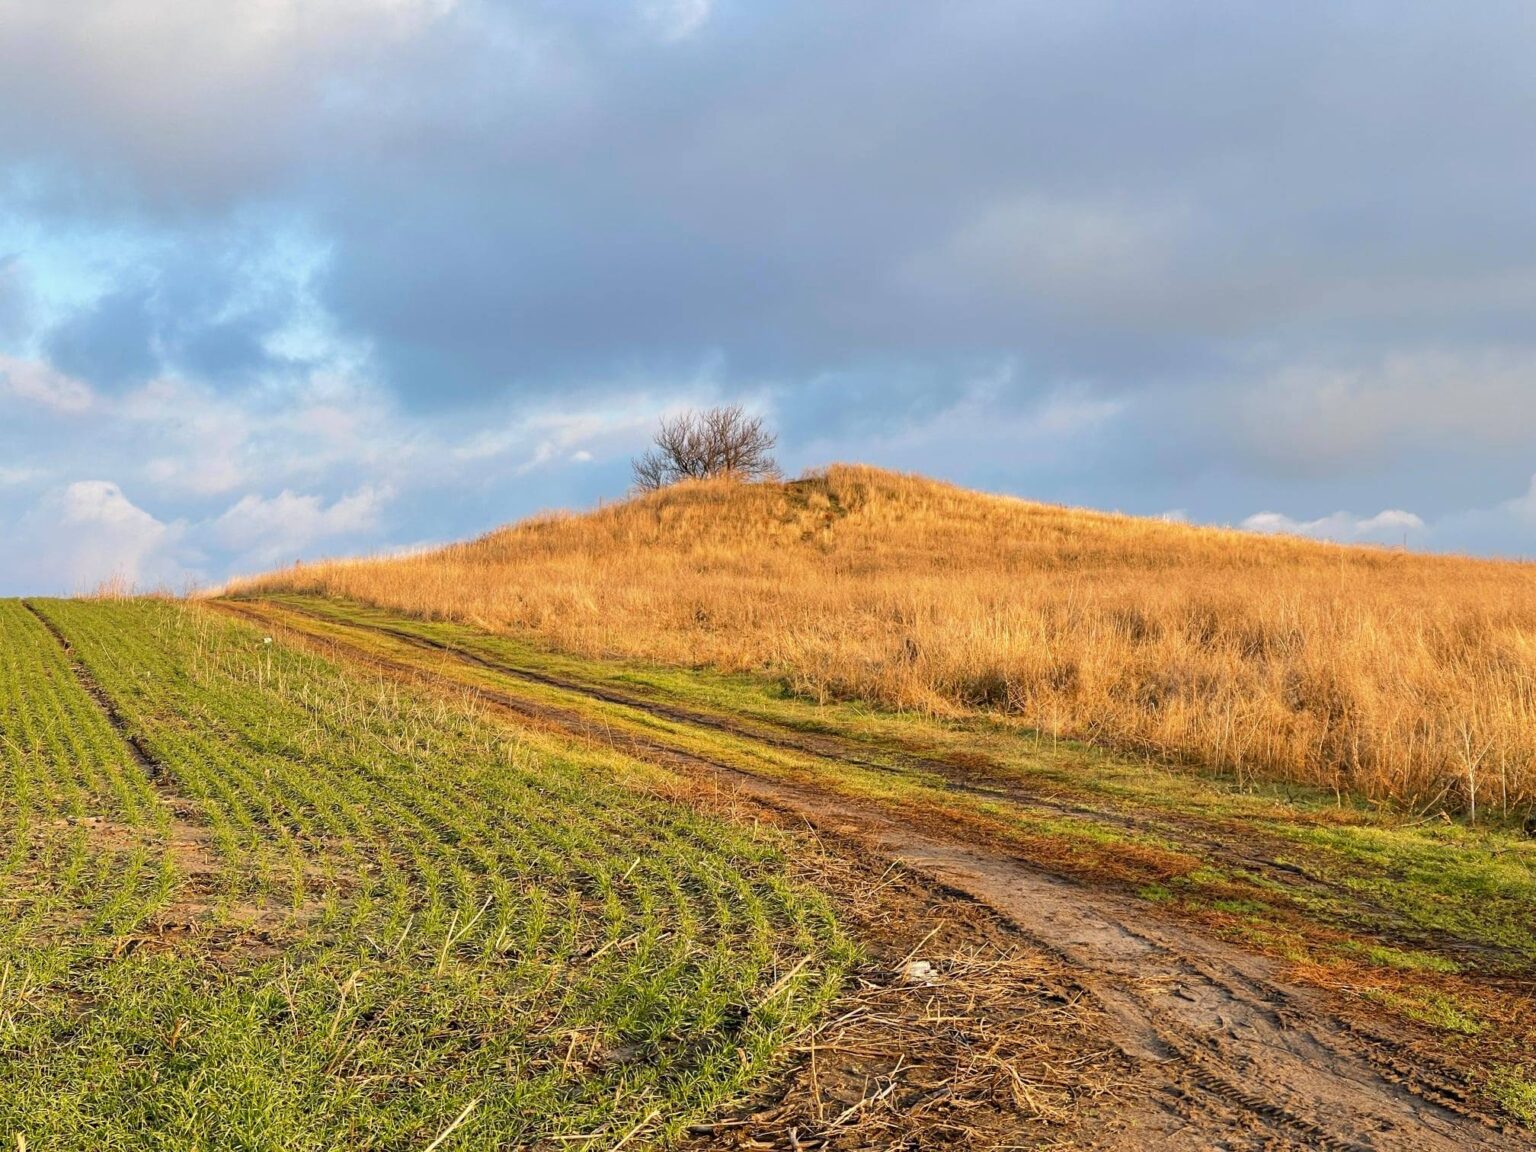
1404 677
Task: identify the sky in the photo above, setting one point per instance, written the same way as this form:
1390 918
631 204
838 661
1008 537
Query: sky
282 279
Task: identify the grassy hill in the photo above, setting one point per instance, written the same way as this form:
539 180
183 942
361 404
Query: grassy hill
1401 677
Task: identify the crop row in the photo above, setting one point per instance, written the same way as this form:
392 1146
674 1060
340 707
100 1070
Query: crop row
407 910
84 845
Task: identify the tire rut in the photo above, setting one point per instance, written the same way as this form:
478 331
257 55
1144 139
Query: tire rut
1241 1058
189 839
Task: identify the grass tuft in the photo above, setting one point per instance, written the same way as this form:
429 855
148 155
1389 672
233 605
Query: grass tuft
1515 1089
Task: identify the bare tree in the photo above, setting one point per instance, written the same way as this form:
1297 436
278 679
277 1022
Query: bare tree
700 445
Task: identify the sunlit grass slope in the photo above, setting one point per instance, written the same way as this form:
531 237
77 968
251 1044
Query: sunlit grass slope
1403 677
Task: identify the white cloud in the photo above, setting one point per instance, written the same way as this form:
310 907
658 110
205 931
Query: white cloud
983 421
198 472
1389 526
1523 508
157 83
200 439
90 532
676 19
1070 411
541 437
13 304
102 502
14 477
269 531
150 44
248 479
1508 528
191 441
39 383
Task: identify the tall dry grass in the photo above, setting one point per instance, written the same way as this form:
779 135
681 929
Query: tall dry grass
1402 677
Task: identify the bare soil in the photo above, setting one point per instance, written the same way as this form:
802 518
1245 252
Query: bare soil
955 1033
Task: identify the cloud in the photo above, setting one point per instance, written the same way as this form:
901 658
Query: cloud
194 442
1327 415
89 533
1523 507
676 19
110 343
1507 528
229 306
552 433
1389 526
971 197
13 297
1503 528
980 432
269 530
15 477
1067 251
150 88
40 383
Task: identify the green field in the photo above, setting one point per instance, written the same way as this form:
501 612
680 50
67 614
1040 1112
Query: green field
303 874
317 910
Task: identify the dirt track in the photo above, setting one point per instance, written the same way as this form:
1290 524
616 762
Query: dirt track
1231 1056
1244 1060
